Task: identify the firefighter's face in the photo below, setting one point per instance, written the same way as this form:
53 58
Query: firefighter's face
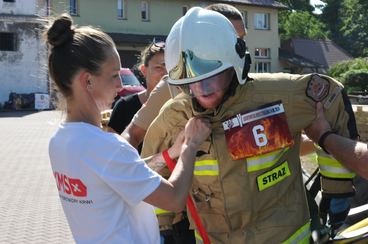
210 92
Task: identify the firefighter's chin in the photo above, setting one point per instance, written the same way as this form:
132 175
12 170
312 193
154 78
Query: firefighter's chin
210 101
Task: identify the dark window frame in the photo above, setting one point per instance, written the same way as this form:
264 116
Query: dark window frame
8 41
73 7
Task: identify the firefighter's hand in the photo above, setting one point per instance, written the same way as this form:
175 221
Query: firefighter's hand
319 125
197 130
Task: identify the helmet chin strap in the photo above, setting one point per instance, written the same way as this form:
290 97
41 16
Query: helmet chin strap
240 47
241 50
246 68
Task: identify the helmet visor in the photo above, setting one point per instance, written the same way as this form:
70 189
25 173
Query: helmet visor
210 85
190 67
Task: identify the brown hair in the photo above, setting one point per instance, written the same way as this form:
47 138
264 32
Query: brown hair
74 48
150 51
227 10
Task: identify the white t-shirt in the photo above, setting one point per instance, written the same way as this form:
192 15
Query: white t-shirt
102 183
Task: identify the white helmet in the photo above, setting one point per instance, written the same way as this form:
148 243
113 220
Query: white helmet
201 44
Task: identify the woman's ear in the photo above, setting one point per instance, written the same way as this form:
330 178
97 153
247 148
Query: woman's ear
143 69
85 79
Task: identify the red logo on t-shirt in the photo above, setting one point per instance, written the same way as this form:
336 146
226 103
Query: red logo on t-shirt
70 186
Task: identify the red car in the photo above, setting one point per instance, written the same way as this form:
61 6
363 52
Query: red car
130 83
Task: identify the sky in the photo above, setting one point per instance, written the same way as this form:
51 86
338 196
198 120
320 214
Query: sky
314 2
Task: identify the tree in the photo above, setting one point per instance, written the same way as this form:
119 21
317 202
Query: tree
299 21
354 27
330 17
353 74
301 24
347 23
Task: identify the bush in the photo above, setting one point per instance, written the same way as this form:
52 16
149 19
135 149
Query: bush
337 70
353 74
355 80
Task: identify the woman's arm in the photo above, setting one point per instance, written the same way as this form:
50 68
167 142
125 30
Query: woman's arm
172 193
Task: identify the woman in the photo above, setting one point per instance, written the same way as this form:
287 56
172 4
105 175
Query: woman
152 66
104 187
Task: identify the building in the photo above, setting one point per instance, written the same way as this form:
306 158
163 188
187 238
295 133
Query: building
134 24
23 55
299 55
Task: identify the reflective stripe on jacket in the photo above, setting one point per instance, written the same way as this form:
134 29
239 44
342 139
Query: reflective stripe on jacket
259 199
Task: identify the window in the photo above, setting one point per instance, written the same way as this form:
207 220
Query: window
122 13
262 21
144 10
245 18
48 8
262 67
185 9
8 41
73 7
262 53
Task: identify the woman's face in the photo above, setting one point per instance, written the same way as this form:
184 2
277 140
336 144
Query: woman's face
154 71
107 83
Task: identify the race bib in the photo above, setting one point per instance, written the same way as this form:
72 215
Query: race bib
258 131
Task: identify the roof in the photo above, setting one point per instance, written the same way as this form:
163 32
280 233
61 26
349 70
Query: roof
297 60
324 52
259 3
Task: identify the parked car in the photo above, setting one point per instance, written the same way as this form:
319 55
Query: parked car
130 83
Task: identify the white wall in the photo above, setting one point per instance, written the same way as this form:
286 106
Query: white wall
23 70
24 7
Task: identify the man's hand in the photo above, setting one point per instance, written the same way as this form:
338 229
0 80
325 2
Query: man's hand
319 126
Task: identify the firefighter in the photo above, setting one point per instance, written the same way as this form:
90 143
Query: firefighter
248 184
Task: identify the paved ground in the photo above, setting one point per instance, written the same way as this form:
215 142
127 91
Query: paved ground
30 210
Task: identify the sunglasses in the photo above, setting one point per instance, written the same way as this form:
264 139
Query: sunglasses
160 45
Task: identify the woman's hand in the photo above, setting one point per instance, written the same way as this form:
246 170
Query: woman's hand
196 131
174 150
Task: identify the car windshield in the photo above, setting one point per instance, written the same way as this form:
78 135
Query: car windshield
128 78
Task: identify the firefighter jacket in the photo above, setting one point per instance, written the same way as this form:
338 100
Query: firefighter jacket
248 184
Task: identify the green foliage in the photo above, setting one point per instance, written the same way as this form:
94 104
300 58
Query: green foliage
330 17
338 70
354 27
301 24
353 74
343 21
347 23
356 80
